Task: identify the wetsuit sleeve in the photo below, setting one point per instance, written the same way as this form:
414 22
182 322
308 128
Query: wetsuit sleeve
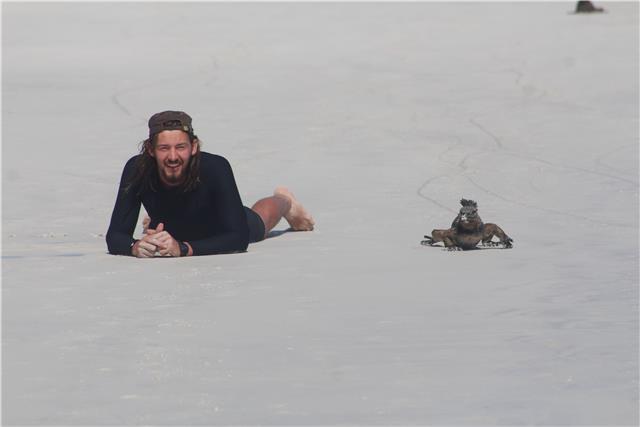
124 216
234 230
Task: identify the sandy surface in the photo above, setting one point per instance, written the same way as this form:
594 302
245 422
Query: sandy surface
380 117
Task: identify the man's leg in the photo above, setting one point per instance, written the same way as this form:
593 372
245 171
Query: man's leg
272 209
283 204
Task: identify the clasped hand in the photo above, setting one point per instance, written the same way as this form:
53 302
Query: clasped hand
156 242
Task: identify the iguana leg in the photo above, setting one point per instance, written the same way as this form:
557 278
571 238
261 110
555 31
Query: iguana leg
436 236
447 237
491 230
450 245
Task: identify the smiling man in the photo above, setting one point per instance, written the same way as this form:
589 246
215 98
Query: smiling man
192 199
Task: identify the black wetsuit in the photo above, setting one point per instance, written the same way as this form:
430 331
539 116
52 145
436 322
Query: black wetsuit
211 217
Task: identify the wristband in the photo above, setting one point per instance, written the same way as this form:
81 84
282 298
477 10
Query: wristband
184 249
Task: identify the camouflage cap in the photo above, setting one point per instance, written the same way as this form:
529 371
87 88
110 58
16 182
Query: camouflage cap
169 120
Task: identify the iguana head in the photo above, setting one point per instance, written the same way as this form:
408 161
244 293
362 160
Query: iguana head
468 215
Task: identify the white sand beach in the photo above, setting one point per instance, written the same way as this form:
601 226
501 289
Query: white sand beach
380 117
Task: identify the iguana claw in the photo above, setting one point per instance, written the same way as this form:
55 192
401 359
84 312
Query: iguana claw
428 241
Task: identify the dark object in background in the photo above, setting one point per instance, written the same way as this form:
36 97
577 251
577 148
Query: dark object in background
587 7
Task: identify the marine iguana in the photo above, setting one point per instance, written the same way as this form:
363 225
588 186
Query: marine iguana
467 230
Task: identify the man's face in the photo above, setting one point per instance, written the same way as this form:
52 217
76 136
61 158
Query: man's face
173 151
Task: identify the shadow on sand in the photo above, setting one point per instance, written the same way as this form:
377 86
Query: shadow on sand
477 248
276 233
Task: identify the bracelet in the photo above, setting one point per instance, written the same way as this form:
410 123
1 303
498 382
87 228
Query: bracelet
184 249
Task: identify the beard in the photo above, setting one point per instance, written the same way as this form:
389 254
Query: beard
174 176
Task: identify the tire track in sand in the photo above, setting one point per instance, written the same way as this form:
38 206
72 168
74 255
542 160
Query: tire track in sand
500 147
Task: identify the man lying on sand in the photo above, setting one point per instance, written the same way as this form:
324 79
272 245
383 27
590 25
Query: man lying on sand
191 198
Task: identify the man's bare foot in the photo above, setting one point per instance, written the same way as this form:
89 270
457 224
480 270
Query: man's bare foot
297 217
